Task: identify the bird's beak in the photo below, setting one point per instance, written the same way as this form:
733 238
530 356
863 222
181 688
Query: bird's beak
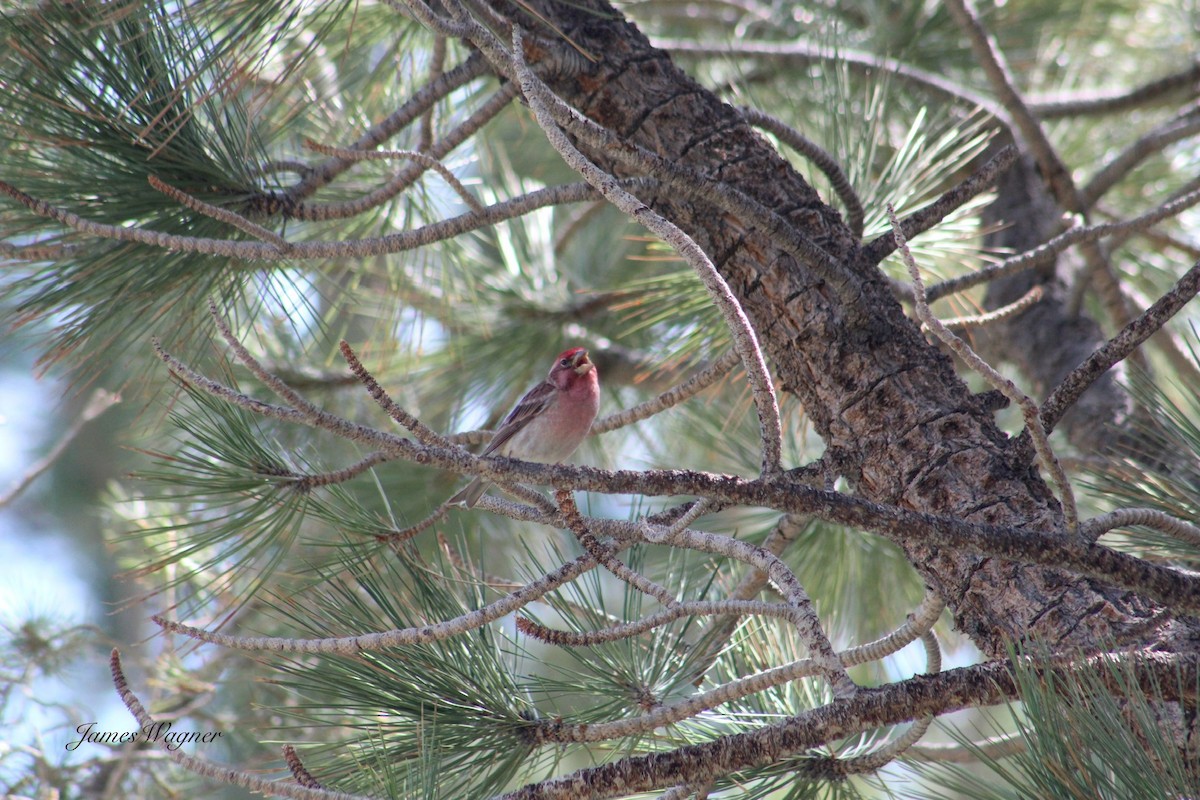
581 363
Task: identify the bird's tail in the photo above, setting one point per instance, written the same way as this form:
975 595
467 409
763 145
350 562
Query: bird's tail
470 495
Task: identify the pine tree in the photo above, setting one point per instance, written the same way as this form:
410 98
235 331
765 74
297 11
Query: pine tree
888 308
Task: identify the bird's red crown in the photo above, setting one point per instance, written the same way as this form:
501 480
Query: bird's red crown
570 358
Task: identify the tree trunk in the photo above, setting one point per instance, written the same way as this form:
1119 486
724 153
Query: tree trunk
902 425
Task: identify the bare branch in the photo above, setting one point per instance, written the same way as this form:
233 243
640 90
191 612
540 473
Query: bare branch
222 215
786 530
917 625
39 252
189 376
437 66
407 176
424 434
989 57
418 104
925 218
999 315
350 645
305 483
953 690
577 525
99 402
1029 409
281 389
808 624
1045 253
676 611
1079 104
895 748
1009 744
821 159
1148 144
298 770
399 537
1185 531
672 397
423 159
351 248
1119 347
858 60
576 223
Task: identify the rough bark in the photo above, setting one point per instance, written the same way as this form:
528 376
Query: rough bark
889 405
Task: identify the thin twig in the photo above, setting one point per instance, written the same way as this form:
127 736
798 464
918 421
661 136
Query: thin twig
678 610
576 223
1085 103
895 748
319 212
913 628
304 483
1188 250
1151 143
40 252
271 381
989 57
457 560
424 434
277 166
423 634
346 248
437 66
1119 347
423 159
672 397
997 747
99 402
221 215
577 525
817 155
786 531
1160 521
298 770
925 218
420 103
806 621
507 584
430 18
1043 254
1029 409
202 382
860 61
1009 311
399 537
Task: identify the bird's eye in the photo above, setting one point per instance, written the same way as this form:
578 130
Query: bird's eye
566 362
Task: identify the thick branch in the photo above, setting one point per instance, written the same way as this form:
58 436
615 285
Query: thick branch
968 687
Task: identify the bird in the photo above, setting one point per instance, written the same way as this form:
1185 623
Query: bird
548 423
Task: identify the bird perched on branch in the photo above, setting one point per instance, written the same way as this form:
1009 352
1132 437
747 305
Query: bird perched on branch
548 423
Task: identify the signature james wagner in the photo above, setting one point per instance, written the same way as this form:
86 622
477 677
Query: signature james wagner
154 732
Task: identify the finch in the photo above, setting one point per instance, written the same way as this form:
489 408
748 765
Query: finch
548 423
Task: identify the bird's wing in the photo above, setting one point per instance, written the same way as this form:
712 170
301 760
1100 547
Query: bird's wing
528 407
